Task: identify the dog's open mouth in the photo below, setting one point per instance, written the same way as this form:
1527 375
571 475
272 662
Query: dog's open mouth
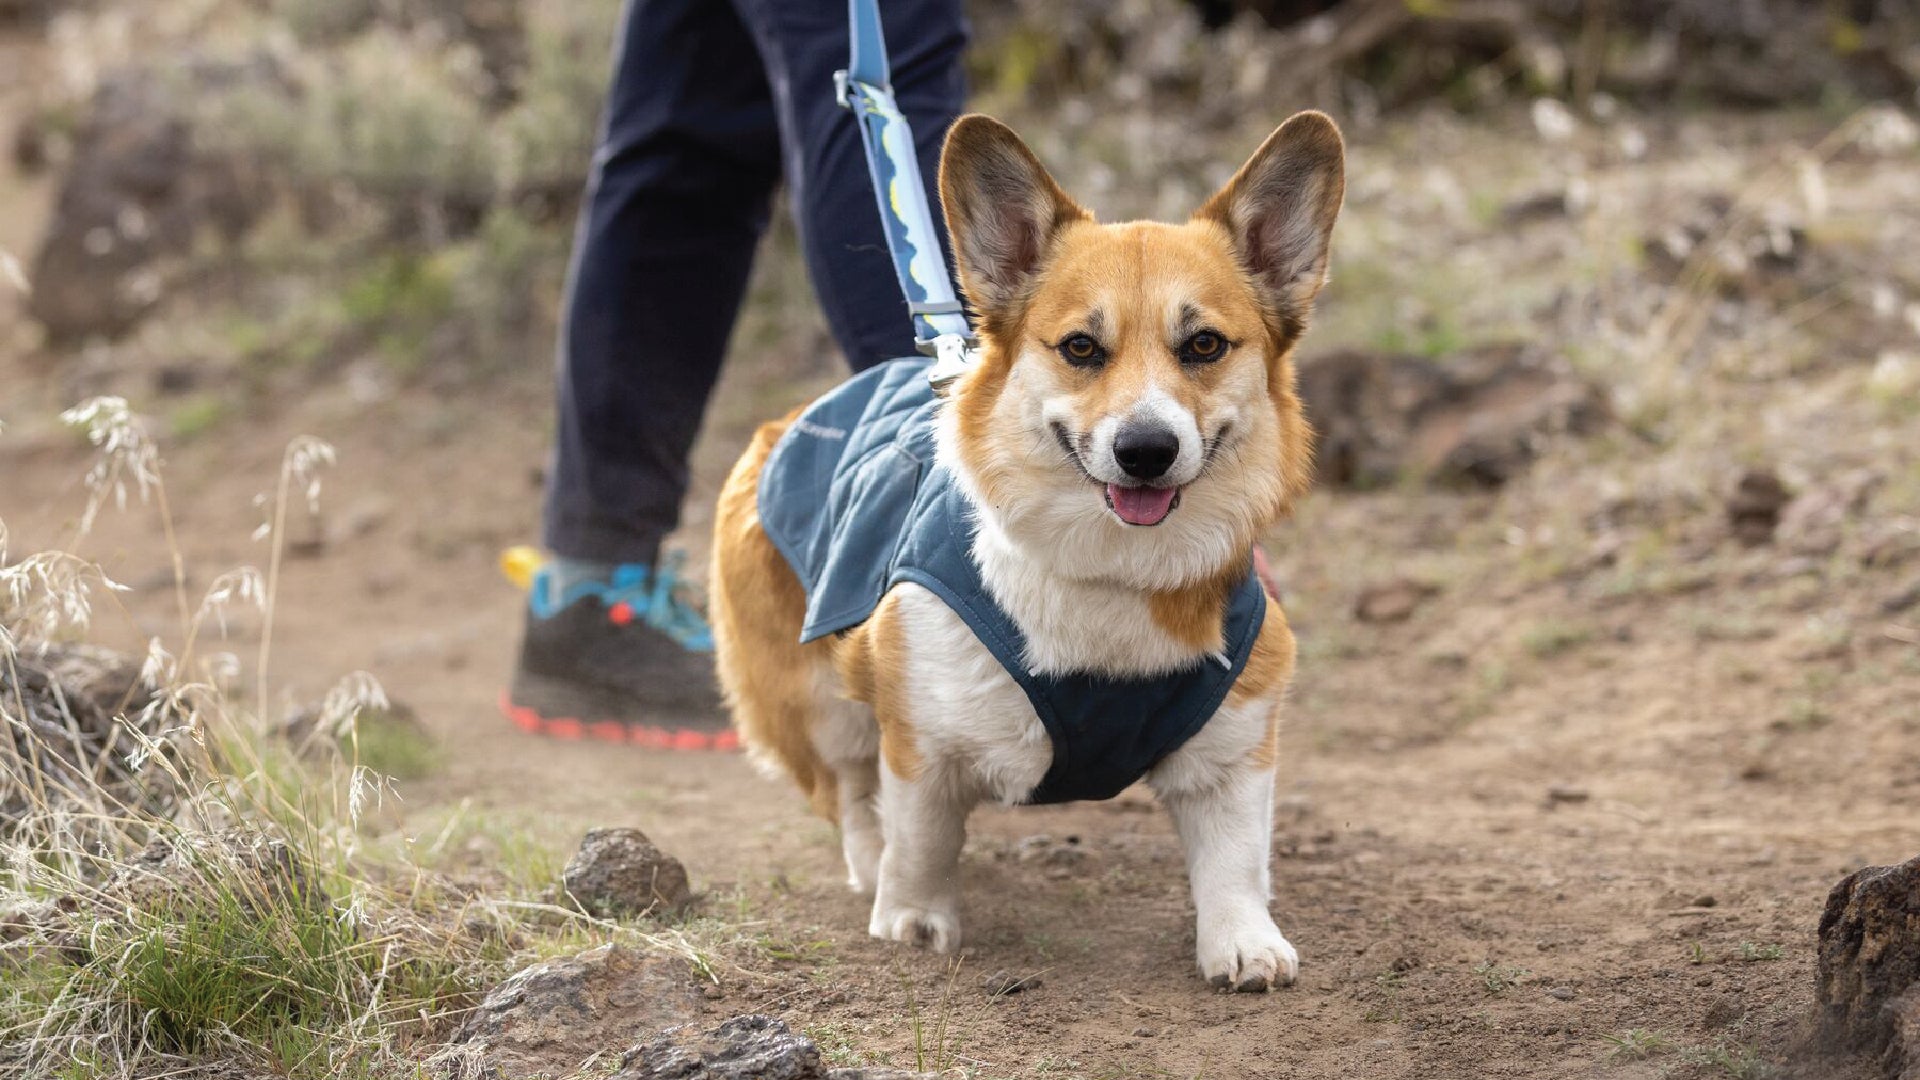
1142 505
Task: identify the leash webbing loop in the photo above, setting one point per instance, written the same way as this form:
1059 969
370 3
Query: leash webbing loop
940 327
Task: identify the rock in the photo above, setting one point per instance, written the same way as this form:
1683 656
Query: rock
1725 1011
618 873
1753 510
1901 599
550 1018
1001 983
1393 602
32 146
1567 793
84 712
752 1047
1476 419
1561 993
1868 989
1047 851
1746 252
1539 206
142 190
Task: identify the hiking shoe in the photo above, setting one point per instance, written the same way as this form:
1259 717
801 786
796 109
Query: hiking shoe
623 658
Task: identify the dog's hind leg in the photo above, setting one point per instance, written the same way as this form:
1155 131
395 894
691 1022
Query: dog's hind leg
849 743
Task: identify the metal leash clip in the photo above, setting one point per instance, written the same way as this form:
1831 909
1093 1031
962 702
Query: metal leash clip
952 356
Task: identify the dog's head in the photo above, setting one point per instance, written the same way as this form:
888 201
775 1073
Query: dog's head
1133 414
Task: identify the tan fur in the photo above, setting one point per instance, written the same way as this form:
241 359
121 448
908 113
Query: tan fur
765 671
1269 669
1193 615
871 660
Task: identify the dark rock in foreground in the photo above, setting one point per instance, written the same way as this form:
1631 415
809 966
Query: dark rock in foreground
744 1048
1868 993
1476 419
548 1019
83 714
619 872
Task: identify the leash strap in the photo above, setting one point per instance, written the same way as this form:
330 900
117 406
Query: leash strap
940 327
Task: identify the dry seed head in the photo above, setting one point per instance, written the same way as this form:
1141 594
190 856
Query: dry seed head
243 585
306 457
222 670
159 669
126 451
12 274
50 592
357 693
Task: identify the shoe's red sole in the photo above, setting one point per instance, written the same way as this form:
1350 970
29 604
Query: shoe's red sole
646 735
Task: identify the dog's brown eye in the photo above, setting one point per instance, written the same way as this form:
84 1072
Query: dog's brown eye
1082 350
1203 347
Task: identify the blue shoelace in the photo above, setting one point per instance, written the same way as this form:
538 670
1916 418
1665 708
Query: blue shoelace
653 594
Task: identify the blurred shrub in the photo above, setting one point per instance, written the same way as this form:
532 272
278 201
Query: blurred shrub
547 137
378 120
324 20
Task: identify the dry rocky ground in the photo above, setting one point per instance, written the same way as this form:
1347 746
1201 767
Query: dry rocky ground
1580 739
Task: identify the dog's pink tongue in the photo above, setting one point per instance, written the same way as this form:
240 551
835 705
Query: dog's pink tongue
1141 505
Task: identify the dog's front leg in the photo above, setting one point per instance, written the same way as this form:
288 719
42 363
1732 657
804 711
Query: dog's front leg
1227 829
924 819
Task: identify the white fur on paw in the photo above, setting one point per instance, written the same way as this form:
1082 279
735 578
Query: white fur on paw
936 930
1247 955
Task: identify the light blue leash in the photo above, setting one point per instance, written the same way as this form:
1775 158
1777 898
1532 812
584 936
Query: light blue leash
940 327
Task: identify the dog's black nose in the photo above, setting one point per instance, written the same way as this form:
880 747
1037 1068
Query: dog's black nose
1145 451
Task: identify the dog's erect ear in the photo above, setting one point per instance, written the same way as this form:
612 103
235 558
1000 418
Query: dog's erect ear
1279 209
1002 211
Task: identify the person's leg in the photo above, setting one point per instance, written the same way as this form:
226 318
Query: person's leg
677 201
803 42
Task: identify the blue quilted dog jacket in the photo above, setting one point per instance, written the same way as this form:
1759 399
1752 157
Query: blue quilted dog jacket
852 497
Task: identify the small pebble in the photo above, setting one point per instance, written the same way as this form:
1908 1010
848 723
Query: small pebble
1567 793
1144 1033
1561 993
1002 983
1705 900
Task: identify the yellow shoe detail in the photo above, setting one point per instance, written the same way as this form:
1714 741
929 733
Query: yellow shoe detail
520 563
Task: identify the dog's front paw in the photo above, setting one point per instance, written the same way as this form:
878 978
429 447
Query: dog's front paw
1246 955
936 930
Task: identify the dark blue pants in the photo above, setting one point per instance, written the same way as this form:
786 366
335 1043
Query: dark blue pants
713 103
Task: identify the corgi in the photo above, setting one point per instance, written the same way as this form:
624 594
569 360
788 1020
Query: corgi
1037 584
